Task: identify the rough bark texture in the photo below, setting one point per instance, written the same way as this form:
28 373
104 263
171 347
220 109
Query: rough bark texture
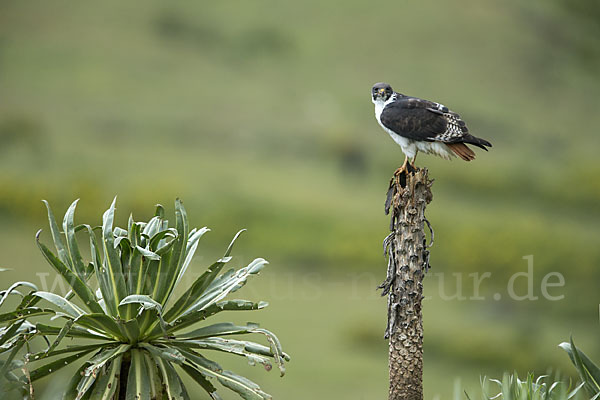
408 260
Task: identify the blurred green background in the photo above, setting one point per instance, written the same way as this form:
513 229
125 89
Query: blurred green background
258 115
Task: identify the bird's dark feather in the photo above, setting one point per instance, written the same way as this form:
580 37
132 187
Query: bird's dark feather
425 120
410 117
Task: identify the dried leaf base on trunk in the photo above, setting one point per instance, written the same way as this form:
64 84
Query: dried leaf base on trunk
408 260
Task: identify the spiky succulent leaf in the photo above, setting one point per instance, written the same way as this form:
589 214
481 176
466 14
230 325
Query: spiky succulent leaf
225 284
61 335
198 316
169 272
7 363
588 371
75 332
106 355
255 353
80 288
247 389
156 389
76 261
57 236
197 288
25 313
112 262
62 303
69 349
13 289
201 380
174 388
190 251
146 302
55 365
165 352
101 324
138 385
106 386
11 332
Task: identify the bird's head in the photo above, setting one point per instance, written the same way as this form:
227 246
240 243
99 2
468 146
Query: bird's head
381 92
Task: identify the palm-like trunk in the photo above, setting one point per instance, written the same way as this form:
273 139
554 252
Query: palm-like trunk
408 260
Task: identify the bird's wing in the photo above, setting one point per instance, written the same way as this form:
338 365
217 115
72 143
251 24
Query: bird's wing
423 120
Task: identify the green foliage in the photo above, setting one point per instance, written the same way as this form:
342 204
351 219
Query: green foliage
133 326
588 371
512 388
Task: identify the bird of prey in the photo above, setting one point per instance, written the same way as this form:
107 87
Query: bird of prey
422 125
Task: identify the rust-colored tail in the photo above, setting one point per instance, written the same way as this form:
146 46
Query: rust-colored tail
461 150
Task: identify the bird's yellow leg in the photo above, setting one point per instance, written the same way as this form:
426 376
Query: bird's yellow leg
414 159
402 168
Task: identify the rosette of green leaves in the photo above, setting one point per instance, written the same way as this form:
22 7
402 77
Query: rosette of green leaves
135 335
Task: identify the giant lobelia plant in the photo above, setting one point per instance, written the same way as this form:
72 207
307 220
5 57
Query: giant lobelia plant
134 335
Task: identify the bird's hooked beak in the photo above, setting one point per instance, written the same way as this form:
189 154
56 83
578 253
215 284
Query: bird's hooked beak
381 92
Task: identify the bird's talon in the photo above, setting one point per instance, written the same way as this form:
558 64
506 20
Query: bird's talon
399 171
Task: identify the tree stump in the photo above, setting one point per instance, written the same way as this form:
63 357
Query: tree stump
408 260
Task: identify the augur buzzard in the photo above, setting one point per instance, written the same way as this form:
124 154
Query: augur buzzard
422 125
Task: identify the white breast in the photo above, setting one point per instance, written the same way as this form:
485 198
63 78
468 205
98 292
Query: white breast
409 147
